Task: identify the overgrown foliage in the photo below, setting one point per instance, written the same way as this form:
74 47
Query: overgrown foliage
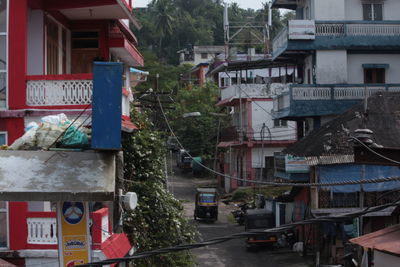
158 221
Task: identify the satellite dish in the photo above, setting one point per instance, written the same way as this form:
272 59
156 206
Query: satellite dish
130 200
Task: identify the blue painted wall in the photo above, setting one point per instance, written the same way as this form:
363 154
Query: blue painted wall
106 105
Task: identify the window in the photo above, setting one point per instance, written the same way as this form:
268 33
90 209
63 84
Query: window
204 55
3 54
56 47
3 138
280 123
374 75
372 11
3 224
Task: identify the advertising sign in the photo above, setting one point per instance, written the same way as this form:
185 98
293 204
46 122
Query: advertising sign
296 164
301 30
73 233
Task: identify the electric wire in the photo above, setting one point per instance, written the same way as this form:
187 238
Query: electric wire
213 241
376 153
326 184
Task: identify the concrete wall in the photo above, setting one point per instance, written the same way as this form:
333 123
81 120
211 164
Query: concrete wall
385 259
35 42
329 9
260 116
356 72
354 10
257 154
331 66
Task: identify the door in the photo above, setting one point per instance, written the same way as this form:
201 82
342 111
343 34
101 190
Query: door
85 50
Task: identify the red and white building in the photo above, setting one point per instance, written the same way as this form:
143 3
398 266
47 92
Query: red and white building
47 48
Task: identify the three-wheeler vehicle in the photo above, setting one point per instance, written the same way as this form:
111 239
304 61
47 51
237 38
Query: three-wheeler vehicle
258 219
206 204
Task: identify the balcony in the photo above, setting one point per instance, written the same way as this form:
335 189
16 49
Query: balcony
36 230
245 91
301 100
59 90
303 35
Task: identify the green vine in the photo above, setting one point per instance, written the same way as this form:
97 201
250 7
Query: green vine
158 220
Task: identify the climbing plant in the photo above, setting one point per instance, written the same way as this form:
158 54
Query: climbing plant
158 220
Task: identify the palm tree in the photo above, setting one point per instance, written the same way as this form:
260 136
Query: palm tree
164 14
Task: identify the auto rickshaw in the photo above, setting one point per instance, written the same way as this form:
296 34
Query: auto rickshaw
206 204
256 219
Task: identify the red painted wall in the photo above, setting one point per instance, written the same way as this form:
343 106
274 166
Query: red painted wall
17 59
18 231
15 128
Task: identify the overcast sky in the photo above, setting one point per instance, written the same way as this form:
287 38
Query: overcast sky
254 4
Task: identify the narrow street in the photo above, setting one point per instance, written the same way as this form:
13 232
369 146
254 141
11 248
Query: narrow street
231 253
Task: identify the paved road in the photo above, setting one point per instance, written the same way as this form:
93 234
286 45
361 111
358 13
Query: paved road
232 253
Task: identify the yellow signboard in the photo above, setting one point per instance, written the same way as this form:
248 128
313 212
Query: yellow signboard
73 233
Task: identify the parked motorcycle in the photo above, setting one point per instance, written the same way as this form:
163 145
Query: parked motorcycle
240 213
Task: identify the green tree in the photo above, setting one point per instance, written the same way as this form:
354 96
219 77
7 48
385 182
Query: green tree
158 221
163 11
198 134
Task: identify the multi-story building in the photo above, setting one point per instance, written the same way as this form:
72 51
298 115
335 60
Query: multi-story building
250 142
343 50
47 50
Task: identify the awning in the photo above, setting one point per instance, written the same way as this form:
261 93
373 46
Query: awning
387 240
225 102
57 176
123 49
93 9
375 66
127 125
356 172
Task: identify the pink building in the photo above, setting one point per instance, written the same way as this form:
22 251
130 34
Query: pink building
47 48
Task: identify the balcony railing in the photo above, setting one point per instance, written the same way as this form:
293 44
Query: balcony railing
338 29
42 231
348 28
246 91
42 228
59 90
330 92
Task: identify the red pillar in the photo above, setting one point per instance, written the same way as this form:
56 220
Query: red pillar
18 231
17 53
15 129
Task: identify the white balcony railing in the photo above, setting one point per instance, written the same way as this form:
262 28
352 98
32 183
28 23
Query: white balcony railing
357 29
301 92
58 92
42 231
246 91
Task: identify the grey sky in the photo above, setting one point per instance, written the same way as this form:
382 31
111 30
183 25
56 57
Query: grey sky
254 4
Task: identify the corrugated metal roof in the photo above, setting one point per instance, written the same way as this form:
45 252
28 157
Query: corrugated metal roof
331 159
387 240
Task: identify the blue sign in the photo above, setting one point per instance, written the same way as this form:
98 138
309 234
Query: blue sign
73 212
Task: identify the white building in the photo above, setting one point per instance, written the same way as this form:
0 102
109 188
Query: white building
342 48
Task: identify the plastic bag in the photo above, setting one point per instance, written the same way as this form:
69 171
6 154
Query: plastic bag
31 125
25 142
74 137
59 119
48 133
